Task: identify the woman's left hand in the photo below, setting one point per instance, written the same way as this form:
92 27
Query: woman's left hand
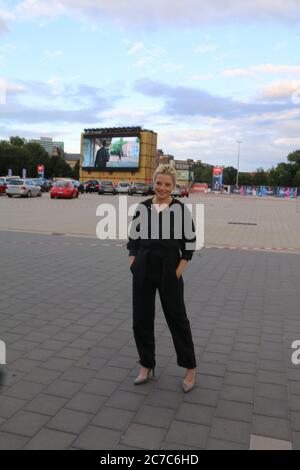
180 268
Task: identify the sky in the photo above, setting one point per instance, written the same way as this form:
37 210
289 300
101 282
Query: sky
202 74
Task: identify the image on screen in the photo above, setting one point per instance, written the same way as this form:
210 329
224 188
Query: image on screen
111 153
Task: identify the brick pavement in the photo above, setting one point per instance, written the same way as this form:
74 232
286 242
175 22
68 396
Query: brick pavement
65 315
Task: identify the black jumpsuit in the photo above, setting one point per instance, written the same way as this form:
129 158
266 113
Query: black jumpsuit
154 269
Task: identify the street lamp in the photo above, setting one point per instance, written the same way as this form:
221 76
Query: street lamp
239 142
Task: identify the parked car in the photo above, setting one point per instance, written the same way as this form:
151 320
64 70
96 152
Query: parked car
64 189
137 188
3 186
79 185
185 192
122 187
176 191
23 188
106 187
91 186
148 191
43 183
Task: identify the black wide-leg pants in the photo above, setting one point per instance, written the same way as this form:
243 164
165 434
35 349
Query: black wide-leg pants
171 296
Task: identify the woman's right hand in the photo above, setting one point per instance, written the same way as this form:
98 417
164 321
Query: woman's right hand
132 260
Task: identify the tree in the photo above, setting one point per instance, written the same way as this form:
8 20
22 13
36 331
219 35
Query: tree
294 157
17 141
260 177
203 174
75 171
229 175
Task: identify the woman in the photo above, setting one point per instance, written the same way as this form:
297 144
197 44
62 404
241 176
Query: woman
157 263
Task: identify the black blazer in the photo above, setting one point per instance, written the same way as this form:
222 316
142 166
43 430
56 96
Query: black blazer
172 248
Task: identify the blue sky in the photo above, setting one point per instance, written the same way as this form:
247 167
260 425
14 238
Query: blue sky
202 74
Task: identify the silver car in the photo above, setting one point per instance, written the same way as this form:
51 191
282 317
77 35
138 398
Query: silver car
23 188
122 187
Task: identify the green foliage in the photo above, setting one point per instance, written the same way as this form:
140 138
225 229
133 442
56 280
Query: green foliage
203 174
117 147
17 154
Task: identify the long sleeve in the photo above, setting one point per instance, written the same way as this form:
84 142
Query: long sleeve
133 242
188 242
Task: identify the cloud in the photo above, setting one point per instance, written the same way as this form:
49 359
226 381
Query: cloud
3 25
281 90
172 66
205 48
153 13
30 102
207 76
50 55
262 69
137 46
187 101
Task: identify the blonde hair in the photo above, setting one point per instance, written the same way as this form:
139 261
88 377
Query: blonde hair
165 169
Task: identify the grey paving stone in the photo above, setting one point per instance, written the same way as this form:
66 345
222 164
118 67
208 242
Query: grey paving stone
76 374
63 388
241 367
112 373
71 353
295 421
271 407
296 440
40 354
154 416
50 439
96 438
234 410
70 421
268 426
25 423
101 387
239 380
42 376
125 400
46 404
24 390
143 437
92 363
58 364
11 441
188 434
294 387
165 399
113 418
271 390
218 444
194 413
229 430
202 396
271 377
237 394
265 443
9 406
24 365
86 402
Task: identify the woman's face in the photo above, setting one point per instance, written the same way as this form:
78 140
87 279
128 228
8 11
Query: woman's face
163 186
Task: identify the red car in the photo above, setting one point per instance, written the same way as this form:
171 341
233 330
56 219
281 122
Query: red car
3 186
64 189
185 192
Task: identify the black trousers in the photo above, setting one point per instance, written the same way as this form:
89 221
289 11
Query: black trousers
171 296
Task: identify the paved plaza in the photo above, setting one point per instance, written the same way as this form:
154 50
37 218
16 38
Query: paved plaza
65 316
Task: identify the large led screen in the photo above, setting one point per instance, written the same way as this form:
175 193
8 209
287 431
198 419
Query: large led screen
111 153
